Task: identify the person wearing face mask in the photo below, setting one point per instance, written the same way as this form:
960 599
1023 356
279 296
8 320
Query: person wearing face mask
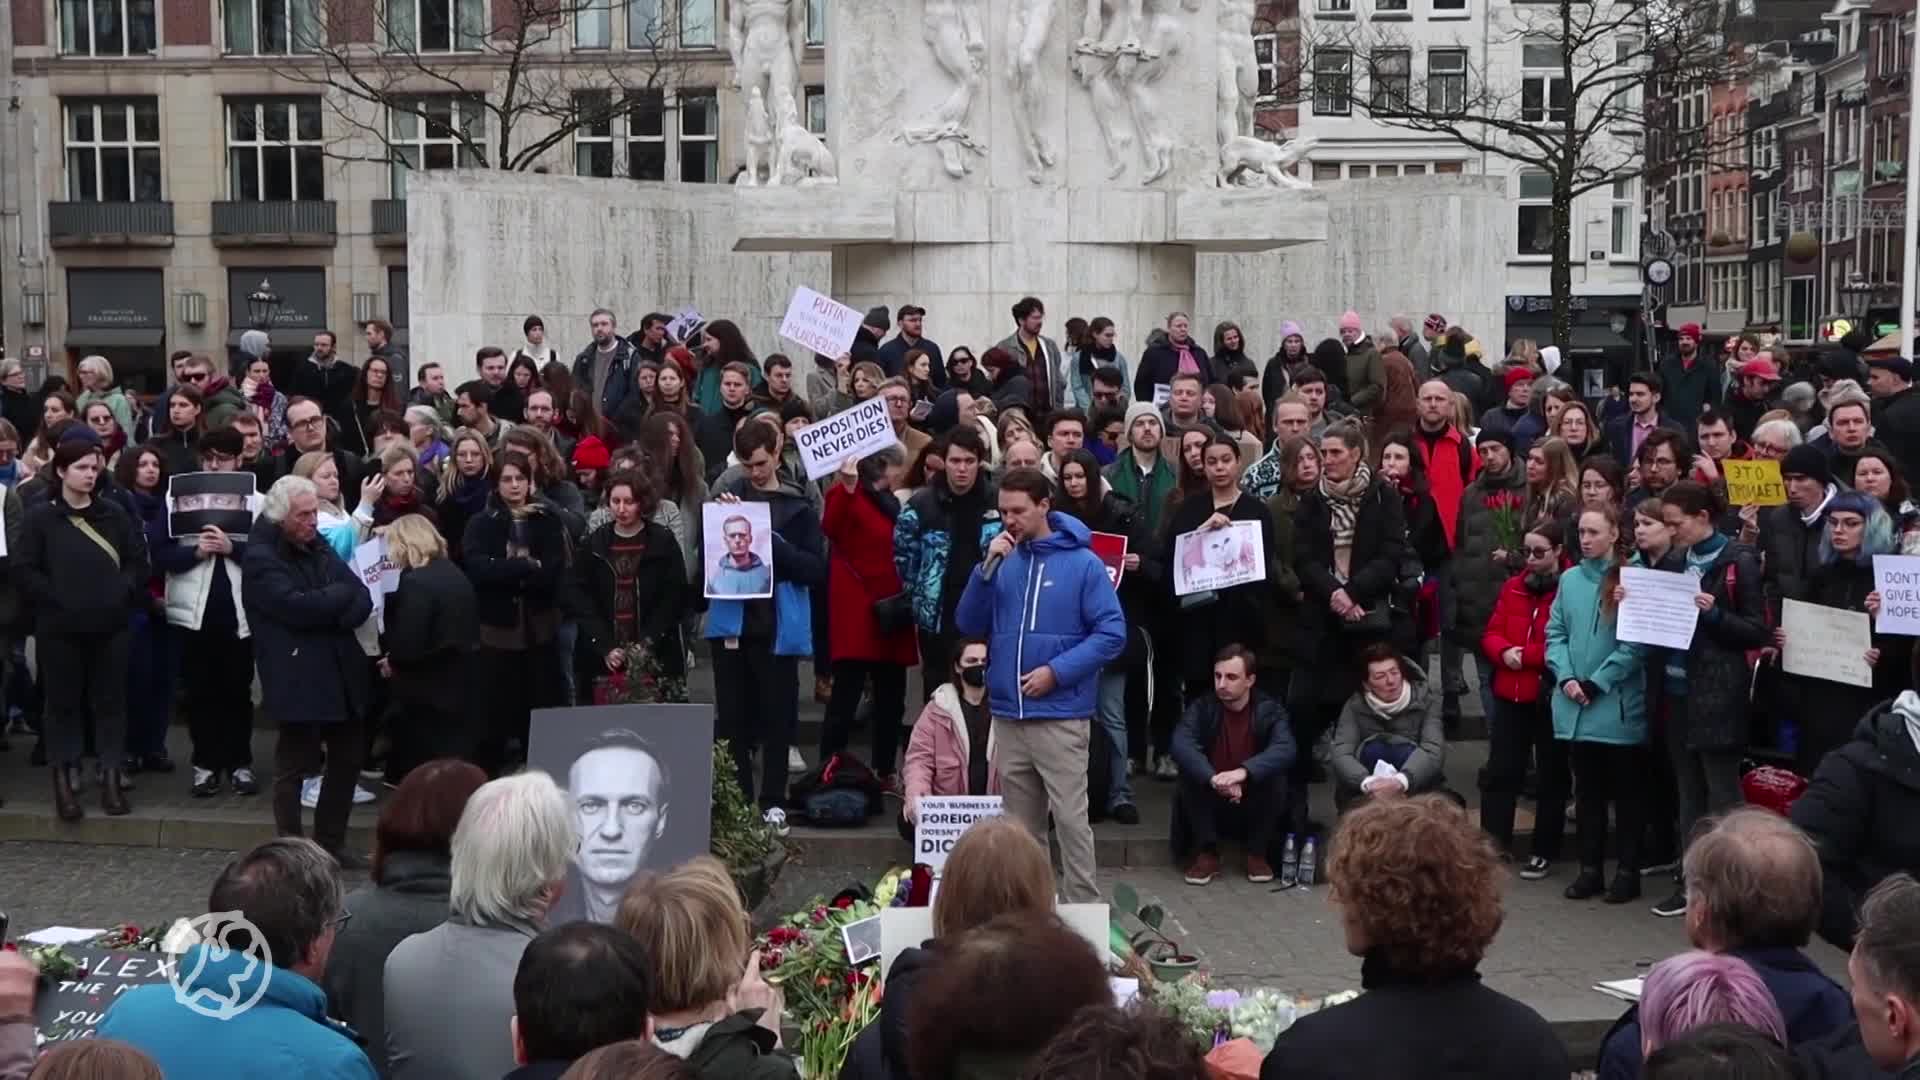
1515 649
951 751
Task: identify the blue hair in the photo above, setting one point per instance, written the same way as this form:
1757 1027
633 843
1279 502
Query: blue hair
1877 538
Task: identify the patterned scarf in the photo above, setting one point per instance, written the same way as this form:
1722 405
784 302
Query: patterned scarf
1343 501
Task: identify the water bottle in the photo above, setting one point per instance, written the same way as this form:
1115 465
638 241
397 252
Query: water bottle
1307 859
1289 863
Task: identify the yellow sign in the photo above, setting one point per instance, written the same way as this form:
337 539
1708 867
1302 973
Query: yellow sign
1754 483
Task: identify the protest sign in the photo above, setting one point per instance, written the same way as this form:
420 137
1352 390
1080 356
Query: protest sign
862 939
1826 643
683 322
224 500
742 533
819 323
1161 392
376 571
1218 558
1897 578
903 928
1659 608
845 436
72 1007
1112 549
942 819
1754 483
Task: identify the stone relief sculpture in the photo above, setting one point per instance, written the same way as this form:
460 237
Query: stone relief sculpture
802 157
759 140
1250 161
1239 75
953 29
765 39
1120 60
1029 22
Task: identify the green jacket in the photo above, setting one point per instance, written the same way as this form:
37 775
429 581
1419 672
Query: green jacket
1366 377
117 400
1124 478
222 403
738 1048
1581 645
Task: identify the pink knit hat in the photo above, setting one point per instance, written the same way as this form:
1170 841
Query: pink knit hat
1350 321
1291 329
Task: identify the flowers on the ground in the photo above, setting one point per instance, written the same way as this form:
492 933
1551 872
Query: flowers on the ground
1212 1016
827 1000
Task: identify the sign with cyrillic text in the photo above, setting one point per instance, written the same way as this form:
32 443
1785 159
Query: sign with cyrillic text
820 323
942 820
845 436
1754 483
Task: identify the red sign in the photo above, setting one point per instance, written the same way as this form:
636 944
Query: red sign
1112 549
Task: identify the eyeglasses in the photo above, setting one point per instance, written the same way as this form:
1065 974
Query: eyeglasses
196 376
1538 552
311 421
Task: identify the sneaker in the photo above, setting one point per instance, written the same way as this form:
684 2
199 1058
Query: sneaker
1203 869
1625 888
1673 906
795 763
1165 769
1258 870
777 818
243 782
206 783
1589 884
1535 869
1126 814
374 770
310 792
361 796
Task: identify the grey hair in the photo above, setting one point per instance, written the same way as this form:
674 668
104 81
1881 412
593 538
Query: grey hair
513 842
1798 397
288 889
1758 876
1786 430
9 366
96 362
255 344
279 500
425 414
1888 943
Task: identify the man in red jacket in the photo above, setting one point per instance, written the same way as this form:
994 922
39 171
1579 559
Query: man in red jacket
1452 462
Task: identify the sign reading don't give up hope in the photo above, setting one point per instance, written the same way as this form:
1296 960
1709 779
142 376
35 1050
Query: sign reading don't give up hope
845 436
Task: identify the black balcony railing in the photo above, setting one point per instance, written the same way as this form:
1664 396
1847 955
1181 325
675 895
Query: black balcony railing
240 221
390 217
103 222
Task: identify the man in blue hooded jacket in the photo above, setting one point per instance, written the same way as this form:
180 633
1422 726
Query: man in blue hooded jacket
1043 600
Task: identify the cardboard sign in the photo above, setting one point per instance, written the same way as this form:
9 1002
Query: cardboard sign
1659 607
1826 643
819 323
845 436
1754 483
943 818
1897 578
225 500
71 1008
1112 549
1218 558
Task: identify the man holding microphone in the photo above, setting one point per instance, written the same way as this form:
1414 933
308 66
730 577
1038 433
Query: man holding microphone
1052 621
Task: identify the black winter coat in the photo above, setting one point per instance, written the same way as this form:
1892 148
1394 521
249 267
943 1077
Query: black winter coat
1829 710
303 605
1860 811
71 583
507 590
1791 550
880 1053
1896 422
660 588
1238 615
1718 679
1379 546
432 631
1161 362
1141 589
1441 1030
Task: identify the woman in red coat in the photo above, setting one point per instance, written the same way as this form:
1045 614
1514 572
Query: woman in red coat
858 522
1516 642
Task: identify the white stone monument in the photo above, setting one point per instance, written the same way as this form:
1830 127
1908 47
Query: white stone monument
992 149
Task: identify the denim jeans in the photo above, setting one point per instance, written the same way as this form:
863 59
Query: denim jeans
1485 667
1113 718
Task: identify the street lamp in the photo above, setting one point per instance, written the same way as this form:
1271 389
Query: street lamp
262 304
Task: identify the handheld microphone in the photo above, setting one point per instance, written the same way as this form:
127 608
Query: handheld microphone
988 566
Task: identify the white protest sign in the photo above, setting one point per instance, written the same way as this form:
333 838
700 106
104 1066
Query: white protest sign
820 323
1218 558
1826 643
903 928
683 321
942 819
1658 609
377 572
845 436
1161 392
1897 577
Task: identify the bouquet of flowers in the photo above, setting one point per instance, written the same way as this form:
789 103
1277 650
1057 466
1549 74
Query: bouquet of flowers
827 1000
1509 520
128 937
1214 1016
53 961
642 681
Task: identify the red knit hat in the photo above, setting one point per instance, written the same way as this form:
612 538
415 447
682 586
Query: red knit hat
591 453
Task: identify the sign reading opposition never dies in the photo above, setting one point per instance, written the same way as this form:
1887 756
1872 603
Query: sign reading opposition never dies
845 436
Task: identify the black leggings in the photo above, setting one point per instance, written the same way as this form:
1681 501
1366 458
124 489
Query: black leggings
1616 776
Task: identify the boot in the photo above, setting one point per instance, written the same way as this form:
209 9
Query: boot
113 794
65 803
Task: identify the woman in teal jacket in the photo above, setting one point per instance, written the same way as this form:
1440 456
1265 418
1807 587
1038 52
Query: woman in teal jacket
1599 706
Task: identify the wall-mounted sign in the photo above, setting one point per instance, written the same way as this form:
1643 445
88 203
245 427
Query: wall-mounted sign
302 292
116 300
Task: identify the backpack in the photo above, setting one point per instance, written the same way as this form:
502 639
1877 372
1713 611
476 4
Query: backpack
840 792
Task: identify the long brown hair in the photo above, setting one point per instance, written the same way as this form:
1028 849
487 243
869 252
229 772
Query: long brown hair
1398 408
678 469
392 399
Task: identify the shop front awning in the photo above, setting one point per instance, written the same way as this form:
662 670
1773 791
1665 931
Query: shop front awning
113 337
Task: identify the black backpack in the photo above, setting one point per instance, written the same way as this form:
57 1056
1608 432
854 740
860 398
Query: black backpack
840 792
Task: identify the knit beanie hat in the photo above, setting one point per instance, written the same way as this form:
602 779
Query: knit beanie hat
1807 460
1143 408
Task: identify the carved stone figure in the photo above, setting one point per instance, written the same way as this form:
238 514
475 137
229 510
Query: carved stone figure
1028 24
765 38
802 157
760 150
1248 161
953 29
1239 75
1119 61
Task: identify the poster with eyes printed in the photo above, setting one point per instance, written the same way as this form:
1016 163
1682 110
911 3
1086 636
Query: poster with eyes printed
1218 558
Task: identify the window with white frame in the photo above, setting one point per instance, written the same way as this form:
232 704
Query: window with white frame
1762 222
1266 61
106 27
1534 215
274 150
1543 83
436 131
1626 54
592 24
1623 219
816 22
1334 7
647 136
1714 226
1333 82
1446 81
1740 213
271 27
1369 170
593 133
436 25
1728 290
1800 162
1801 316
1390 80
1757 303
1389 5
817 111
1449 5
645 29
1766 149
696 23
113 150
699 136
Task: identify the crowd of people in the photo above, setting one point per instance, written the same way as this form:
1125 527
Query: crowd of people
1410 493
